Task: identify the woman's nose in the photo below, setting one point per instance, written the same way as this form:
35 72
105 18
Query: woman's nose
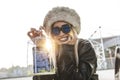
61 33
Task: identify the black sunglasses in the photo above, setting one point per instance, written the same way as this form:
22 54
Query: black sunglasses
65 29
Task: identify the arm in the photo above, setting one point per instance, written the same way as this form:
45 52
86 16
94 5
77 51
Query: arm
87 60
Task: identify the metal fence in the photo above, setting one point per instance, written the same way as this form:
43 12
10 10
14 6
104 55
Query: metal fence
110 64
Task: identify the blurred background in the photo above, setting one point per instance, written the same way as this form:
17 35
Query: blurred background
99 23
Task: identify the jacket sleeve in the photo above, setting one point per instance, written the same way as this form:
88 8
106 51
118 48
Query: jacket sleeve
87 60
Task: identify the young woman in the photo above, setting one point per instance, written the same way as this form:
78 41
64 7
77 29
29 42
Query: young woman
75 58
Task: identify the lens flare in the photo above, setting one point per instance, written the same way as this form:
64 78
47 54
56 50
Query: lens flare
48 44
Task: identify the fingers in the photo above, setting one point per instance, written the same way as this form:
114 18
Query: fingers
33 29
41 28
35 33
30 34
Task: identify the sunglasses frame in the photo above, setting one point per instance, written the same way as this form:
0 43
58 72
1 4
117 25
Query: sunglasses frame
61 29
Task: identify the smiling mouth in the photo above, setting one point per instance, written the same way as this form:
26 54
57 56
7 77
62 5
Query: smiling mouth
63 39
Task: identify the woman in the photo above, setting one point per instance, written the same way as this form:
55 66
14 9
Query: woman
75 58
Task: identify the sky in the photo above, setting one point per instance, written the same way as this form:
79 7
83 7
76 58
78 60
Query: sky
18 16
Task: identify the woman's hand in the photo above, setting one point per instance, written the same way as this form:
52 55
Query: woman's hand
34 33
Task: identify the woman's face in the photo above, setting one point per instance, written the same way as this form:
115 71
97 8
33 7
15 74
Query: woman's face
62 33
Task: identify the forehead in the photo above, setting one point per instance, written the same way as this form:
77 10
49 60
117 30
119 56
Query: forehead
59 23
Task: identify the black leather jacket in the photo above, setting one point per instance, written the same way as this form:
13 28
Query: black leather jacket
66 63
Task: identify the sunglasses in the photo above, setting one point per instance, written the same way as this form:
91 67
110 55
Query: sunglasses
66 28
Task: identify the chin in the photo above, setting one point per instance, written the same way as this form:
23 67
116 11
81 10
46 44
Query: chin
64 42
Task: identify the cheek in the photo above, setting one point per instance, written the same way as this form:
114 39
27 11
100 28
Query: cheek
71 34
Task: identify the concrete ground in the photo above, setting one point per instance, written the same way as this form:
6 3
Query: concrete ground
106 74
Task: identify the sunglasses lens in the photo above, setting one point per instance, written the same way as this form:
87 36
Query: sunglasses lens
66 28
55 31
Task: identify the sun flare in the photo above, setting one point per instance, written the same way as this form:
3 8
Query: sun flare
48 45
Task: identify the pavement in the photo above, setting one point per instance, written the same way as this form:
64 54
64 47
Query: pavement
103 75
106 74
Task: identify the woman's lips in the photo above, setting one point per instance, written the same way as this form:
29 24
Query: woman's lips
63 39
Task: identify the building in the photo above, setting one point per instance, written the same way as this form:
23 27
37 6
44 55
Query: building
105 50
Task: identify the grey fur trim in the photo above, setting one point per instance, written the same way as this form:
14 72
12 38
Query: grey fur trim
62 14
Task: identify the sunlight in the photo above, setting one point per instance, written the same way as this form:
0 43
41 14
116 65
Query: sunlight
50 48
48 44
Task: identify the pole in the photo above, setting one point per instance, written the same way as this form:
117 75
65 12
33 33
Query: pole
102 45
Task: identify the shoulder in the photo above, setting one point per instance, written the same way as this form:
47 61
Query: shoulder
83 42
84 45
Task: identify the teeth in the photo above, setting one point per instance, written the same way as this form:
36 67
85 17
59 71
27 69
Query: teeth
63 39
